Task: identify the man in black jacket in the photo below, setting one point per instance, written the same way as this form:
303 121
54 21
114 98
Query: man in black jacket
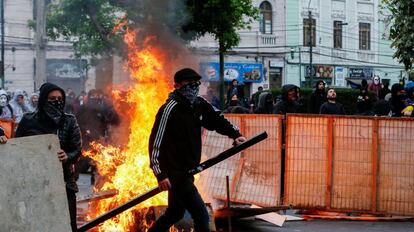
331 106
51 119
289 102
175 148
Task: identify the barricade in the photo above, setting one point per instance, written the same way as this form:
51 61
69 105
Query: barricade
339 163
8 127
351 164
254 173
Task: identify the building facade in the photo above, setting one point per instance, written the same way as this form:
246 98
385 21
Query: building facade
258 60
349 42
20 54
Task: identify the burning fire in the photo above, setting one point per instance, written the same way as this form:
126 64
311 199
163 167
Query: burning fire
127 169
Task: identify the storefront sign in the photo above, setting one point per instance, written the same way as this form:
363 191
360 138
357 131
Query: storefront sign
321 71
243 72
66 68
360 72
339 76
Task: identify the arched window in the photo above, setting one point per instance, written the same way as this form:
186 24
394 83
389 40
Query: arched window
266 18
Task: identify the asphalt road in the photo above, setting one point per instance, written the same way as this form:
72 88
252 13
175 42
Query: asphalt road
254 225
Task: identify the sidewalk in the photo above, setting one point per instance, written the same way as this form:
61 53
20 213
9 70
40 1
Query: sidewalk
253 225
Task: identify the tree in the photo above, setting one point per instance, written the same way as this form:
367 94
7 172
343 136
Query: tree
90 24
221 18
402 30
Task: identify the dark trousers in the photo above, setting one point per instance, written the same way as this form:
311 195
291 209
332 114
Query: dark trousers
180 198
71 195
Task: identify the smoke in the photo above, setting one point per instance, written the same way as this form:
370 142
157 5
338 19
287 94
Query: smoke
164 20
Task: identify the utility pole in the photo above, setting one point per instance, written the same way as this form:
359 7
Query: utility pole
2 46
40 39
300 66
310 47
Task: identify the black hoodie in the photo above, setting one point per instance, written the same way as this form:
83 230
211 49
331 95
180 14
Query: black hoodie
317 98
397 104
285 106
38 123
175 140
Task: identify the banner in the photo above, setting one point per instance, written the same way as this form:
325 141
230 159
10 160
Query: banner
242 72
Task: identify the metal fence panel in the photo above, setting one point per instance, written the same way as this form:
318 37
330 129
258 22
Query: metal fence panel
396 167
255 173
306 161
352 164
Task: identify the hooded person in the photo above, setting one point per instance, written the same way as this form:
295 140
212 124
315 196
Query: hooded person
384 90
375 85
289 102
6 110
32 105
398 96
317 98
51 119
19 105
265 103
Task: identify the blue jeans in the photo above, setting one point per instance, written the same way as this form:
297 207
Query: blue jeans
183 197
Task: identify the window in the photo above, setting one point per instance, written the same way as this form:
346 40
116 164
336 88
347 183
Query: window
265 18
307 31
337 34
364 36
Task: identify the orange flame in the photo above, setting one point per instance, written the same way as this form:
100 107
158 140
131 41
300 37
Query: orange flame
127 169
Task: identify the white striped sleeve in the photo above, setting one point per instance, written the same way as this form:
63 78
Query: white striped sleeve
159 136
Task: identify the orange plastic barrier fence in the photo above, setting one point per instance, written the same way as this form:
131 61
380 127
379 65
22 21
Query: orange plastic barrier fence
353 164
8 127
254 173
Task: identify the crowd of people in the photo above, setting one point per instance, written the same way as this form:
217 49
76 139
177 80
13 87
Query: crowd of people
374 99
79 120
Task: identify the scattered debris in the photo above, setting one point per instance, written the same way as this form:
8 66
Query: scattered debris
272 217
97 196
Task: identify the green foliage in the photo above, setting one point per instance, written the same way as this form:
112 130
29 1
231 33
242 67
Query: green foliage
222 18
347 97
402 30
90 23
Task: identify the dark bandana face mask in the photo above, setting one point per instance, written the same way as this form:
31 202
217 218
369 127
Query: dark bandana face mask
190 91
54 110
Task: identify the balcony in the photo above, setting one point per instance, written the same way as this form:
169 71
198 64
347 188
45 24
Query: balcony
366 56
257 40
267 40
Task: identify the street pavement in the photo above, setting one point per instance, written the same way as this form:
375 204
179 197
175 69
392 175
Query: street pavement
255 225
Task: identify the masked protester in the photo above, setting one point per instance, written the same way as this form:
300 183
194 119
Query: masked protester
289 102
398 96
6 110
175 148
95 117
317 98
265 103
375 86
19 105
33 101
51 119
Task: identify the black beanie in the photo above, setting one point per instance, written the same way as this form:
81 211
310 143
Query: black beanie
186 74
